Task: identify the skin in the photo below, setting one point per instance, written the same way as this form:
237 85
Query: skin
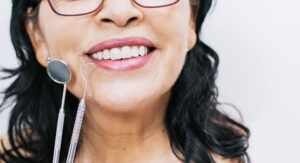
124 116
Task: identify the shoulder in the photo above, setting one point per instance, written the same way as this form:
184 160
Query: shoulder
4 142
220 159
5 146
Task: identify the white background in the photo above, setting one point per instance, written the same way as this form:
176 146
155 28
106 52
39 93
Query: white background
258 43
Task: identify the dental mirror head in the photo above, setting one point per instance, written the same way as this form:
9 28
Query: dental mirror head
59 71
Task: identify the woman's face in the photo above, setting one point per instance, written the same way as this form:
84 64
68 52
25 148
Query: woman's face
119 24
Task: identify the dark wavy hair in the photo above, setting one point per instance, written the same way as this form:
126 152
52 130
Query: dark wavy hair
196 128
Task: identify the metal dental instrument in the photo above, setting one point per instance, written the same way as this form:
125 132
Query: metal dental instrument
78 121
59 72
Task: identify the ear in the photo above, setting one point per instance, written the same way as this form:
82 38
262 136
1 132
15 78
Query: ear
37 40
192 36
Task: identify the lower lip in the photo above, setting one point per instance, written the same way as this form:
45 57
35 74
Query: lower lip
124 64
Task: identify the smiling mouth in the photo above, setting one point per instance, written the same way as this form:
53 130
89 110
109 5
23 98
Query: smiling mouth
121 53
120 49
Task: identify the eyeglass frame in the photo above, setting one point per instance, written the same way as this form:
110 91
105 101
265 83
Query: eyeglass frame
86 13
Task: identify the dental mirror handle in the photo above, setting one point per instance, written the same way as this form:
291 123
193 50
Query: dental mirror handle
76 131
58 137
59 128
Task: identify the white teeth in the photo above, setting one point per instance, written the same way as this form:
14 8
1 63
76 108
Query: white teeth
134 51
115 53
121 53
99 55
126 52
106 54
95 56
142 51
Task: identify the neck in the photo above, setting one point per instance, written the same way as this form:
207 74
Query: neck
128 136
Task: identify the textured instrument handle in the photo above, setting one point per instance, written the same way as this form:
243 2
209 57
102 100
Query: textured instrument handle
76 131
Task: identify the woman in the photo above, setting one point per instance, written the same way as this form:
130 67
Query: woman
157 106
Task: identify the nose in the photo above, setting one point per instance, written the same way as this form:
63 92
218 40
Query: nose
119 12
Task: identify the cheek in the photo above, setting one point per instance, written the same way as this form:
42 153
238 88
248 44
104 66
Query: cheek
62 37
170 25
172 28
61 34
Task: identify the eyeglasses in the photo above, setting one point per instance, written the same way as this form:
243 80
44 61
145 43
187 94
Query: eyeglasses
83 7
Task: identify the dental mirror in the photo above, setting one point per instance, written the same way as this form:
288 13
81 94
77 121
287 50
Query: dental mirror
59 72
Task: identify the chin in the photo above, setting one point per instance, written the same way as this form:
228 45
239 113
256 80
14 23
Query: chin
120 104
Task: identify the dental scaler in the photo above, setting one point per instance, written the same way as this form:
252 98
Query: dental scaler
78 121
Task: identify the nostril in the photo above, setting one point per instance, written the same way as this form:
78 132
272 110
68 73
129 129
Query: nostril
121 21
106 20
132 19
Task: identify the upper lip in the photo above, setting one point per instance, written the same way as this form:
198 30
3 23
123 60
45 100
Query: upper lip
115 43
